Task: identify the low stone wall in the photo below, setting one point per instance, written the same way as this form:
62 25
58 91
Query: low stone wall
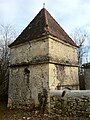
70 104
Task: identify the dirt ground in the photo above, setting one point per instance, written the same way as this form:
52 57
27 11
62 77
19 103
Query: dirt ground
26 115
21 115
18 114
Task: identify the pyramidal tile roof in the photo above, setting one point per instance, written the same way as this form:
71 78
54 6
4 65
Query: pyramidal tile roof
43 24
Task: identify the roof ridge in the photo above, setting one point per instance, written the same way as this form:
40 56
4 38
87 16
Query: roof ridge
46 17
46 28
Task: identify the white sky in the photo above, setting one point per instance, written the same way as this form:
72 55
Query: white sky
70 14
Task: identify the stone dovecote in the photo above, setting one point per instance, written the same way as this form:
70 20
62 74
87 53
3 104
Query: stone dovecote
42 57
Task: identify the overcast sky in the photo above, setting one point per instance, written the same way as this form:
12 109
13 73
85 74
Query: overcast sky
70 14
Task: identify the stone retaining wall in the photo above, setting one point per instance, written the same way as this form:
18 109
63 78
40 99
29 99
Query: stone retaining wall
67 105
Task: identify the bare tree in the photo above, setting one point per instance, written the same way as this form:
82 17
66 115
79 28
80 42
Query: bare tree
81 38
7 34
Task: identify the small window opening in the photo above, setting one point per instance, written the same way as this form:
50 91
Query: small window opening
26 75
26 71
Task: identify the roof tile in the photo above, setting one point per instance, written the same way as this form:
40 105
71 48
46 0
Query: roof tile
40 26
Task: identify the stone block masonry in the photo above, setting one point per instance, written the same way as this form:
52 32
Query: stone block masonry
70 104
42 57
46 70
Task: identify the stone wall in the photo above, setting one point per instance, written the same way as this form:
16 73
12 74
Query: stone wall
48 62
62 53
63 67
24 88
35 51
70 104
43 49
61 56
63 77
87 78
